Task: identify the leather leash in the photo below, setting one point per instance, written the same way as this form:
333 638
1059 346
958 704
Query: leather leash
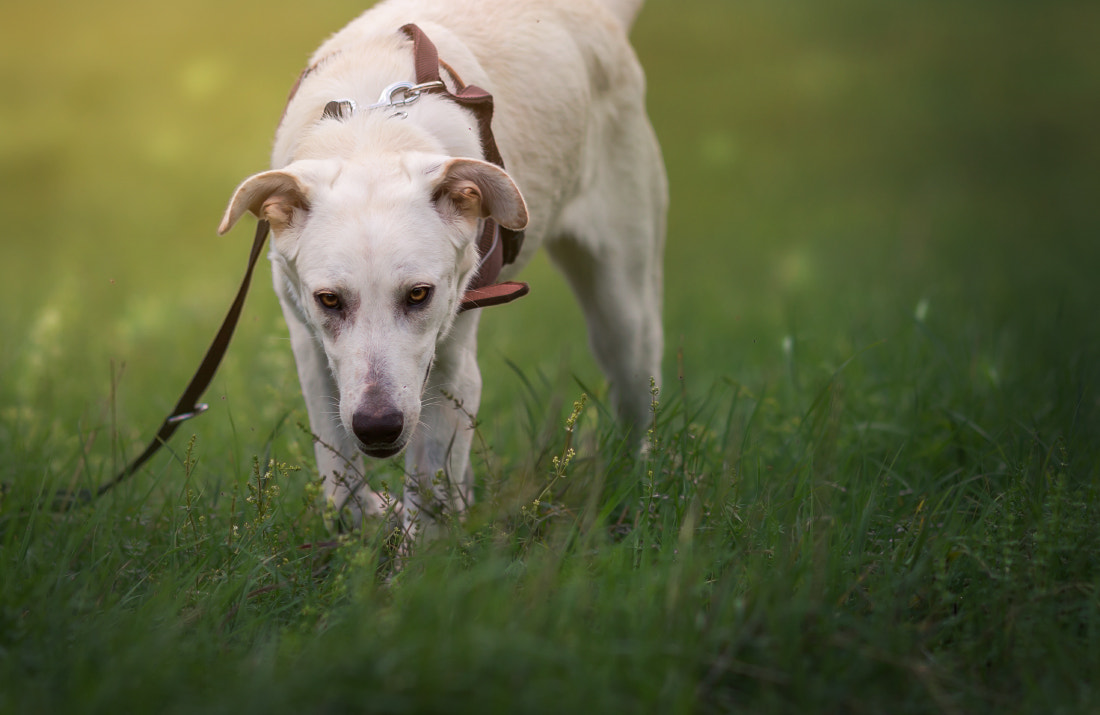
497 246
188 405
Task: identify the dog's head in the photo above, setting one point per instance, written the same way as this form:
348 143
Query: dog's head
376 258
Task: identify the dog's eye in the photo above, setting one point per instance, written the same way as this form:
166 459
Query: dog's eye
419 295
329 301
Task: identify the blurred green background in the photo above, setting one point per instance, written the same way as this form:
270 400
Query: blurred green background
837 169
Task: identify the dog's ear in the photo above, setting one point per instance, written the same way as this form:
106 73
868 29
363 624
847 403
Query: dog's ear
477 189
272 195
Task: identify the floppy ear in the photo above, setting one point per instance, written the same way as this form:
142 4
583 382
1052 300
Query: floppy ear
476 189
272 195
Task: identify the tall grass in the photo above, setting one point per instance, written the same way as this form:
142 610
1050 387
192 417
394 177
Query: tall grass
871 479
830 549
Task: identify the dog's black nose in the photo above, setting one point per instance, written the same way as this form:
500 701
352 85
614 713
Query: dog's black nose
383 427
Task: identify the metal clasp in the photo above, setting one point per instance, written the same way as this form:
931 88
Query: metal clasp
396 96
402 94
199 409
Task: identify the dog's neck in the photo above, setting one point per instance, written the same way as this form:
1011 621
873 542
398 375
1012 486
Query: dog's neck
312 128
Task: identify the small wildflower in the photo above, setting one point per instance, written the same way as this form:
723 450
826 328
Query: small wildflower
920 313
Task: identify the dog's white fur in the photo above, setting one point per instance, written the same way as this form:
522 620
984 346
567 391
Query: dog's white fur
370 211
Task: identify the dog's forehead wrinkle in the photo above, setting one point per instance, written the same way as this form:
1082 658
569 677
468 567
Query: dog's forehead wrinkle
375 191
336 175
373 173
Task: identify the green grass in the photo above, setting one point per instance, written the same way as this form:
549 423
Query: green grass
873 479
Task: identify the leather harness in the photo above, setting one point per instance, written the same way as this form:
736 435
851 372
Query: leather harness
497 246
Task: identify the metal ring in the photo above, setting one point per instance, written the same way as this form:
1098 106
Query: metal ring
340 109
386 98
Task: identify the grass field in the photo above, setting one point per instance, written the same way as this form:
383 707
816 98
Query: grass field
873 483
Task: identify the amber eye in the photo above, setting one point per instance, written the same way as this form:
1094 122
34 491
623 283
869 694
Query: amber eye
419 295
329 301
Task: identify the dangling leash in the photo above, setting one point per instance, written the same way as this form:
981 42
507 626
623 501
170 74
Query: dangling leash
497 246
188 405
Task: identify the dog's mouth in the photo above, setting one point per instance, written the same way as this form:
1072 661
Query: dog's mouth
381 451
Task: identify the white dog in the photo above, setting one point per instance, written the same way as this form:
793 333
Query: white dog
380 195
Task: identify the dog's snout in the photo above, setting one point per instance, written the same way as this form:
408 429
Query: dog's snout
382 427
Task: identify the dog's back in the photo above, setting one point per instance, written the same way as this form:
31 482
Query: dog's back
625 10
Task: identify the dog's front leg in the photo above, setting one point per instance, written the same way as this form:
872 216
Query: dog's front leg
438 483
338 460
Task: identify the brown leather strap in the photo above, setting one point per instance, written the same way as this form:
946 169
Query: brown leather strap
480 102
490 251
495 294
425 55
